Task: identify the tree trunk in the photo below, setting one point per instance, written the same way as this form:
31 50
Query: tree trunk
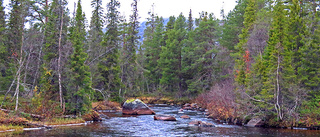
59 60
19 74
278 107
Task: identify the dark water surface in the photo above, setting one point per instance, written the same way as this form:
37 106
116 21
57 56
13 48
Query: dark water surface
144 125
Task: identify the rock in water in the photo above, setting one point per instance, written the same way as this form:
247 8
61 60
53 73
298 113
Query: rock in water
255 122
136 107
201 124
185 117
164 117
206 124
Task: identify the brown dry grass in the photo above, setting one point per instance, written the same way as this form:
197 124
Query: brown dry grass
11 119
5 127
106 105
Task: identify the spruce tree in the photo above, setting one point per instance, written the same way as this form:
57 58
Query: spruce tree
190 21
233 26
80 87
129 70
95 33
49 82
95 49
3 48
272 90
242 66
109 66
309 71
14 41
202 55
153 40
171 57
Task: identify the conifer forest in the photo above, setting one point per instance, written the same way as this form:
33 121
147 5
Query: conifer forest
262 59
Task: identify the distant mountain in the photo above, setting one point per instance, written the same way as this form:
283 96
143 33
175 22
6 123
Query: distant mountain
143 27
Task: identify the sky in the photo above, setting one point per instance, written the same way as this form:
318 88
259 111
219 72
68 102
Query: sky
164 8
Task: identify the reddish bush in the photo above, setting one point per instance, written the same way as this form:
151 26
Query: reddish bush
220 100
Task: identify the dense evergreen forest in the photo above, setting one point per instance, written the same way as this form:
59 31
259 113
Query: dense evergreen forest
261 60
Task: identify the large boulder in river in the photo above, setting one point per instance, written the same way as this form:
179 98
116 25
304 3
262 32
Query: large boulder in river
255 122
136 107
164 117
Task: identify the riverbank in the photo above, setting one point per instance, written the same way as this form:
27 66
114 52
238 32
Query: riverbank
145 125
14 123
226 110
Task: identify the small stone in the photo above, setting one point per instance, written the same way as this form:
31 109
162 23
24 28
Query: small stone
164 117
185 117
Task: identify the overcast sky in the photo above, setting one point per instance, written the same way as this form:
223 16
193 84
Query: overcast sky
164 8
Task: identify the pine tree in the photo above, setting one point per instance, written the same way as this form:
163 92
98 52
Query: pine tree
152 46
190 21
233 26
3 48
242 66
291 89
49 81
171 59
201 55
95 49
109 66
80 88
129 70
309 71
95 33
272 90
15 44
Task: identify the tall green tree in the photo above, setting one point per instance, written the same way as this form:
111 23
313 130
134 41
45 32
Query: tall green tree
201 55
109 66
95 49
242 66
49 81
190 21
233 26
171 57
15 44
309 71
80 89
95 33
129 69
3 48
152 45
272 91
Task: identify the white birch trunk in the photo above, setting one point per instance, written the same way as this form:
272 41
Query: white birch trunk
59 61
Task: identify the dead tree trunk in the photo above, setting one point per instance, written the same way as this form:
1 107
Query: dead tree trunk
59 60
19 74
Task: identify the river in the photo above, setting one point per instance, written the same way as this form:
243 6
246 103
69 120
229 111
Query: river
144 125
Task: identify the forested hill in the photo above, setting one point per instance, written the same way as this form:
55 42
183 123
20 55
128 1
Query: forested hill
261 60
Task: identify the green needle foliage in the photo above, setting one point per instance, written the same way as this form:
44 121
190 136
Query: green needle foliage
109 66
80 88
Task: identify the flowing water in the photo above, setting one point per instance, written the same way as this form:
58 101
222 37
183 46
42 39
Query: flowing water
144 125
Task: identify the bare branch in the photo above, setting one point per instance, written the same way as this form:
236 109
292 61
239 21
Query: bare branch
100 56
